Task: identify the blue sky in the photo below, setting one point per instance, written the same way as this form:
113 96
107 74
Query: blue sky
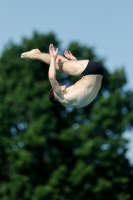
104 25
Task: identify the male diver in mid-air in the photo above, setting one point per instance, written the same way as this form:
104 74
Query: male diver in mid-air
84 91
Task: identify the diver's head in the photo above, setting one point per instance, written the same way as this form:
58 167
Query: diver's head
52 97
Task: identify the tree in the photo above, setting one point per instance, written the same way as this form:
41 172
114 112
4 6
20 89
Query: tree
50 152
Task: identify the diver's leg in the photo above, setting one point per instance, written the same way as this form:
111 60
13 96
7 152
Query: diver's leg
36 54
71 67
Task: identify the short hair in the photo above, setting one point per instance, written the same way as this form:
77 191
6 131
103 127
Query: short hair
52 97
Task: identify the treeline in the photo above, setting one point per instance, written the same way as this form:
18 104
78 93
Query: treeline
48 152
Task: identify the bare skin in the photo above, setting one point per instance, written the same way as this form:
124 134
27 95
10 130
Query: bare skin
83 92
69 55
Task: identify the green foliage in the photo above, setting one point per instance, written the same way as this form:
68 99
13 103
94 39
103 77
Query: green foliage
50 152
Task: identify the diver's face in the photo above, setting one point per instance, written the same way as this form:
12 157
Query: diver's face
63 87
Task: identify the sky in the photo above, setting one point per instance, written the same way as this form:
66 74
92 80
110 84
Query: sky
104 25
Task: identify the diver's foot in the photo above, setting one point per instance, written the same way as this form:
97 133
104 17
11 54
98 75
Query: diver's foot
31 55
69 55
